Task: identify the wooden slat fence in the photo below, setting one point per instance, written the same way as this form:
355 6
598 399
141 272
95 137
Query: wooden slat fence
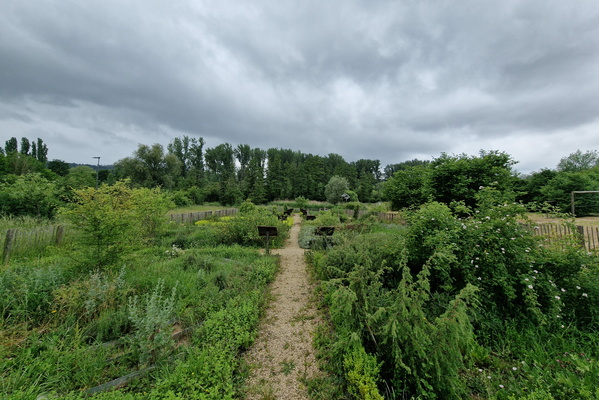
19 241
190 218
555 234
383 216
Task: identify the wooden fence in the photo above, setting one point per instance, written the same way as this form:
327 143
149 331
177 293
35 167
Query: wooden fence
382 216
198 216
20 241
555 234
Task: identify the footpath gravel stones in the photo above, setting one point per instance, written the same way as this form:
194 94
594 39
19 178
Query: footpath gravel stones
283 354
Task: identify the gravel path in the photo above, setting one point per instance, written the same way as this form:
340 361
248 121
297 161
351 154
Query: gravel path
283 354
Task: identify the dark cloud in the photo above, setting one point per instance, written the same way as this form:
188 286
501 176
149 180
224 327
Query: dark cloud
380 79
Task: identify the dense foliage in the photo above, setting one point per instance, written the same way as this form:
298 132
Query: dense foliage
178 303
458 304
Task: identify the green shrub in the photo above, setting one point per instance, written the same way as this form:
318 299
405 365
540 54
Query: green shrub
151 316
113 220
362 372
243 229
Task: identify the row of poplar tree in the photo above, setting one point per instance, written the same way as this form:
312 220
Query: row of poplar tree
229 174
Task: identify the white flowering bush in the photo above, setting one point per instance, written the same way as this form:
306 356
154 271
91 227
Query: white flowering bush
465 303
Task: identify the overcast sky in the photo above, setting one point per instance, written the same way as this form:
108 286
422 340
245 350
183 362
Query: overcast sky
375 79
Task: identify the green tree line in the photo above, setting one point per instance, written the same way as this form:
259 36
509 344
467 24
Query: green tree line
456 179
193 173
230 174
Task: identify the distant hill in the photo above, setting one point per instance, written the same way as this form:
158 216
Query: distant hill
94 166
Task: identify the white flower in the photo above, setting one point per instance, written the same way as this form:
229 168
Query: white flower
526 279
557 297
563 290
530 286
585 295
501 386
578 287
514 369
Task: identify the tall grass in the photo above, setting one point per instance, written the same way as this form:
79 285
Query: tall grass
66 329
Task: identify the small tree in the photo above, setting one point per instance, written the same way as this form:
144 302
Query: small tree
113 220
335 188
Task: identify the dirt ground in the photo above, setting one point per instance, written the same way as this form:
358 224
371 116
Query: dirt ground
547 219
283 354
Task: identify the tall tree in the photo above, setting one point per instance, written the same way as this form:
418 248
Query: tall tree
274 174
180 148
391 169
243 154
196 161
407 187
368 176
256 184
150 167
11 145
579 161
42 151
458 178
59 167
220 161
25 146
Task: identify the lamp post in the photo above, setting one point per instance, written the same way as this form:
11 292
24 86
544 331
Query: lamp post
97 172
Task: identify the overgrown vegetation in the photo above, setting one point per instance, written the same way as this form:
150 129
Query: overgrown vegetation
462 303
176 303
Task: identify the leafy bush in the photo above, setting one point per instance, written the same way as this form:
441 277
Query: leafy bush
29 195
243 228
113 220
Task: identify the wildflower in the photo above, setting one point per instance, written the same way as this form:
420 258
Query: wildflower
530 286
563 290
578 287
479 278
53 311
489 376
585 295
501 386
526 279
480 370
514 369
563 326
557 297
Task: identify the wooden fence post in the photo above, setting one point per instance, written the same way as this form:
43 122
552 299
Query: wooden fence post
58 235
8 243
580 230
